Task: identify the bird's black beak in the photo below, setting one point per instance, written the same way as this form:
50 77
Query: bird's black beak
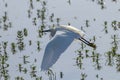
87 42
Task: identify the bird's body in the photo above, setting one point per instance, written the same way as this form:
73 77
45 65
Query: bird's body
63 36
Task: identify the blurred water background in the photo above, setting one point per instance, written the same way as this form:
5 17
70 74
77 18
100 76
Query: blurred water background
22 44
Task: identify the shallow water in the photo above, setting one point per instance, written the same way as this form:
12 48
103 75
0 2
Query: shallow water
22 44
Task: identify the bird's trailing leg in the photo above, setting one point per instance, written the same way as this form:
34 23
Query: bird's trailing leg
87 42
46 30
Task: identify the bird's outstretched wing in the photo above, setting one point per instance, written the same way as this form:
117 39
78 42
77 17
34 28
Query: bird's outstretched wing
54 49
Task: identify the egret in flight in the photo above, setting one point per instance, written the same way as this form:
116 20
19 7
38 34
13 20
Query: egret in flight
62 37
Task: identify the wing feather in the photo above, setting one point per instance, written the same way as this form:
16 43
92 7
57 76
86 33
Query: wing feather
54 49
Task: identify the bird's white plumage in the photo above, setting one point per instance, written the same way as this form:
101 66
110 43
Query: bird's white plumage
54 49
59 43
73 29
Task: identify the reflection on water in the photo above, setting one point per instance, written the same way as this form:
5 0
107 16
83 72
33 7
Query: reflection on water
40 17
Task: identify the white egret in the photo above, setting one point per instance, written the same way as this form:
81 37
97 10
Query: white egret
62 38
